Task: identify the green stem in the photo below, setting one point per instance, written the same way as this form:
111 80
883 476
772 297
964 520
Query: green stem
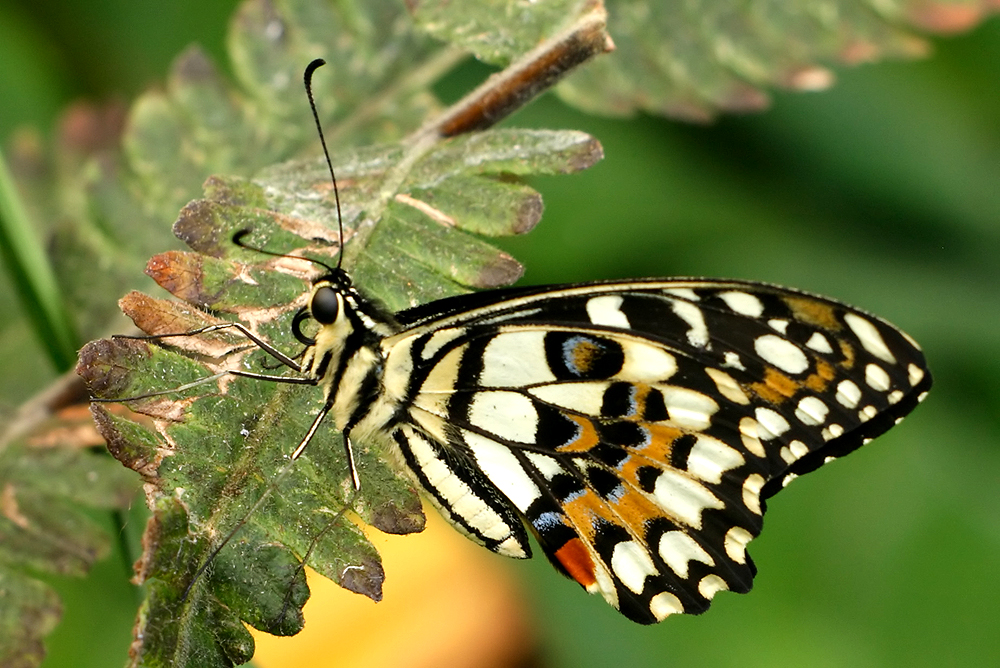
32 273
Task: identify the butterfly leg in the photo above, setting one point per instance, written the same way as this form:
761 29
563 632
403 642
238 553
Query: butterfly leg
209 379
240 327
348 448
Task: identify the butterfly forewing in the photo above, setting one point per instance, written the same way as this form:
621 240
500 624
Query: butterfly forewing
638 427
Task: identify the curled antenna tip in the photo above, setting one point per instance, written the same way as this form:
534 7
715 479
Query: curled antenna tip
312 67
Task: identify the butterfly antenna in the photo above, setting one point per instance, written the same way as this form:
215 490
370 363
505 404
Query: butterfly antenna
238 241
307 78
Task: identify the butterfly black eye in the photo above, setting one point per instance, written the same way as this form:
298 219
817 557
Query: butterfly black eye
325 305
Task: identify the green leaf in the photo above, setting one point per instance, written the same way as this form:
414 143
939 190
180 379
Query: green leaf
217 448
45 528
694 60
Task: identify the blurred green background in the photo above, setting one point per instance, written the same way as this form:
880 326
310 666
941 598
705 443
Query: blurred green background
883 192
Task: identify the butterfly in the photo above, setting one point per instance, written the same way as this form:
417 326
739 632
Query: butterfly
634 428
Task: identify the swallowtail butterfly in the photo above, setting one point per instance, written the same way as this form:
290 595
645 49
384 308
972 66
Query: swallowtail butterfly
635 428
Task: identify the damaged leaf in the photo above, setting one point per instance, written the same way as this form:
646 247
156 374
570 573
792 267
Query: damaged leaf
214 454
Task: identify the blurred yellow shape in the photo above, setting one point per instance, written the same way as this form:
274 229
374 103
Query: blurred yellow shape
446 602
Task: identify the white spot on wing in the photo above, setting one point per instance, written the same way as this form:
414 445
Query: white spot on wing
546 465
770 423
848 393
507 415
870 337
877 378
778 325
819 343
750 435
683 498
743 303
781 353
586 398
631 564
677 549
831 432
916 374
727 386
606 310
683 293
698 334
711 585
798 449
515 359
751 492
664 604
439 339
710 458
646 363
732 360
688 409
503 469
811 411
735 543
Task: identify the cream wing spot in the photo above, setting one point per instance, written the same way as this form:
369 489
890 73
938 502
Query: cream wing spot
683 293
733 361
683 498
697 335
877 378
871 339
546 465
606 310
587 398
848 394
819 343
507 415
727 386
915 374
710 585
743 303
751 492
798 449
781 353
735 544
831 432
811 411
503 469
665 604
770 423
646 363
676 548
439 340
688 409
515 359
778 325
438 386
710 458
632 565
750 436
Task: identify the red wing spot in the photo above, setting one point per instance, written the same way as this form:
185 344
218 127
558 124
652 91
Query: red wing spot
577 562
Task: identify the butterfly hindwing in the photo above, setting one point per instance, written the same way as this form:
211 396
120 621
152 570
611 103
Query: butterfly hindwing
637 427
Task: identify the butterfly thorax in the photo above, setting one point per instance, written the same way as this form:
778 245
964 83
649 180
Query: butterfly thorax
344 354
